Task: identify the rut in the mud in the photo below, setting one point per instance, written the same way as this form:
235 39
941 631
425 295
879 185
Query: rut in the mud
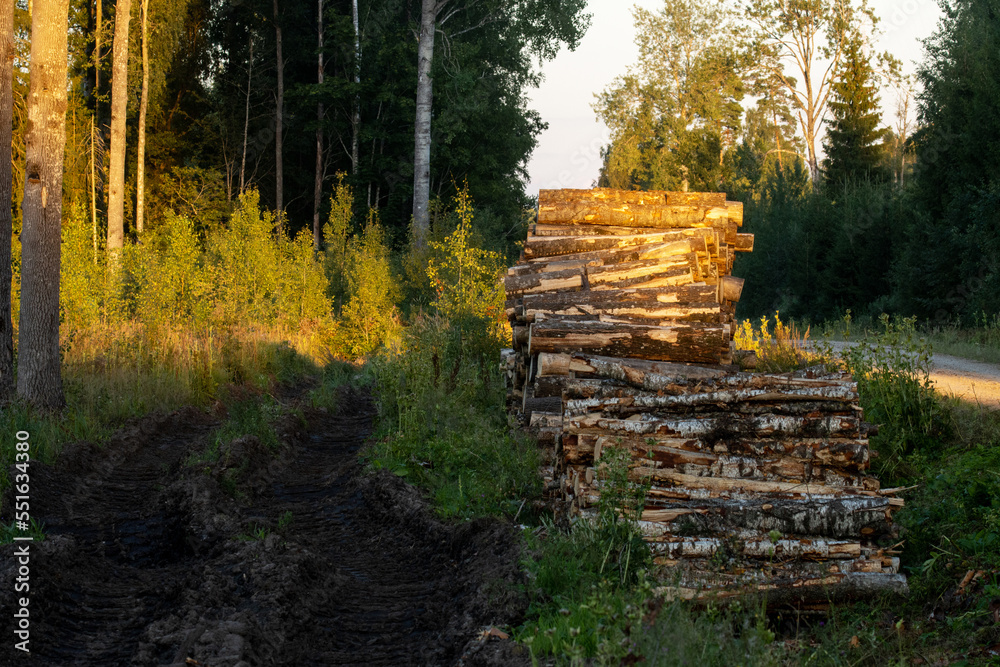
147 561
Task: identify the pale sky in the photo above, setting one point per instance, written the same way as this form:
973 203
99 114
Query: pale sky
568 153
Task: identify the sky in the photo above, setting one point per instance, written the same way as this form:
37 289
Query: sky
568 154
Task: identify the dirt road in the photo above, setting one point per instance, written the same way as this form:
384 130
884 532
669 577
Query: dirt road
149 561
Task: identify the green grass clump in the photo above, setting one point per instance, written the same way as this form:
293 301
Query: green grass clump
442 423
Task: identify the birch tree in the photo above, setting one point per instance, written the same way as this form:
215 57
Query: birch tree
811 36
38 377
541 25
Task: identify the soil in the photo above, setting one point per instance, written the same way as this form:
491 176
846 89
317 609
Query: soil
149 560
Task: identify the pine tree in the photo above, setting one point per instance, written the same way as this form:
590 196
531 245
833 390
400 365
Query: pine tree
854 144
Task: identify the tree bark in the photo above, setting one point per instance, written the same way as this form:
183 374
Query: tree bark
39 379
318 183
422 126
721 425
6 196
356 117
246 120
685 342
640 304
140 174
119 103
279 174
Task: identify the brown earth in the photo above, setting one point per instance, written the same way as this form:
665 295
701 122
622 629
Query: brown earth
148 561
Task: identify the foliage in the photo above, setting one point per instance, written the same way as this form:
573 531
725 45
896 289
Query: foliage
892 369
673 115
854 142
370 317
785 350
588 583
443 425
466 279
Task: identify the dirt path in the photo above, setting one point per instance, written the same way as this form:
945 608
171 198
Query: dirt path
147 561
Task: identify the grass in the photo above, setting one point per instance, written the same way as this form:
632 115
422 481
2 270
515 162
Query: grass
442 425
781 349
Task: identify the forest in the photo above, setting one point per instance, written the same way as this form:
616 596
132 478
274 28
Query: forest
252 314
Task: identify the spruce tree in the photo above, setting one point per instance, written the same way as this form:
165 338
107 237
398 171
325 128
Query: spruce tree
854 142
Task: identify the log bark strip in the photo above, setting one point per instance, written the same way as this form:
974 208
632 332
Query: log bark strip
719 427
852 455
687 342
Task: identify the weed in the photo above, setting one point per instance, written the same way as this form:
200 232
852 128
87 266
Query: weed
8 532
784 349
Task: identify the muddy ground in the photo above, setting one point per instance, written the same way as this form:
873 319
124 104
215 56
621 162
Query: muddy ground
149 559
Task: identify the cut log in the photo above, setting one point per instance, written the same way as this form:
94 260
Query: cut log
589 365
756 548
556 281
651 216
743 243
686 342
722 486
719 427
696 198
732 288
735 212
552 246
775 469
650 304
649 273
858 517
581 449
608 400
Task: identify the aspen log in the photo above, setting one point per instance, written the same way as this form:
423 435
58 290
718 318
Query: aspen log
556 281
589 366
687 341
732 288
858 517
649 273
692 484
760 547
848 454
650 216
719 426
550 246
743 243
775 469
735 212
793 585
649 304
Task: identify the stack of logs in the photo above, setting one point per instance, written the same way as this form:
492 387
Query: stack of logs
622 311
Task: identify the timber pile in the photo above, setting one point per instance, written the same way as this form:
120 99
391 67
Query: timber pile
622 310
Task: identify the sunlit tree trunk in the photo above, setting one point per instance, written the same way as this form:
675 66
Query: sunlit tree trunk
279 113
119 102
356 117
140 178
38 377
93 133
422 131
318 185
246 120
6 194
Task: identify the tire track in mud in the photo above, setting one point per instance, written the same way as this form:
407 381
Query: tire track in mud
147 561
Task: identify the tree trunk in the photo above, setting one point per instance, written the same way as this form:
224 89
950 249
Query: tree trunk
318 183
356 117
246 121
140 174
279 174
39 379
638 304
6 195
422 126
119 103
